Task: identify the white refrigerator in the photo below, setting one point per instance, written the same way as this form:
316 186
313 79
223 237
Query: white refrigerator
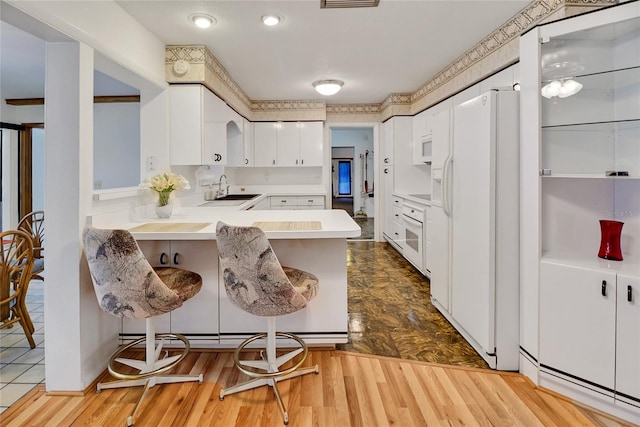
475 188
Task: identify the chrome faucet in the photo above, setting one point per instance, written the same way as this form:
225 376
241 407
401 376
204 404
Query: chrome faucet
221 193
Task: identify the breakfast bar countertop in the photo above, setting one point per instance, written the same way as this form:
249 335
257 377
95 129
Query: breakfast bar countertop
198 223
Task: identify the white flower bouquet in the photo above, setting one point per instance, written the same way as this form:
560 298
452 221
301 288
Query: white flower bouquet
164 184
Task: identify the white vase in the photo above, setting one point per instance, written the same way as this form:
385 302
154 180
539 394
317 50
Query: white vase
165 211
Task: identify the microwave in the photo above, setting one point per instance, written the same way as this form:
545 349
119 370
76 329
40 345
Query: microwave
426 146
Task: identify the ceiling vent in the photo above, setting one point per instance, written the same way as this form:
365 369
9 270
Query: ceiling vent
333 4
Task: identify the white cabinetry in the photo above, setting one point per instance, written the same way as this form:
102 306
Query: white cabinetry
240 143
422 138
297 202
577 323
628 340
567 146
197 126
288 143
595 344
394 226
200 257
265 139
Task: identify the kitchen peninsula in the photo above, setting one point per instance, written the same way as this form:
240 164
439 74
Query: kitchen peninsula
310 240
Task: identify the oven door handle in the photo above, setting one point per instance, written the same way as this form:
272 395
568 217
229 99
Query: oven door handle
412 221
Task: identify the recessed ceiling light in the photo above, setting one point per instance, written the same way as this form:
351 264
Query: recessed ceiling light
271 20
328 87
202 20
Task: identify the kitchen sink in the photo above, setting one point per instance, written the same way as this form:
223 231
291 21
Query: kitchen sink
240 196
229 200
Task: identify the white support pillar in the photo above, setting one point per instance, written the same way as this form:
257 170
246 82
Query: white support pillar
74 342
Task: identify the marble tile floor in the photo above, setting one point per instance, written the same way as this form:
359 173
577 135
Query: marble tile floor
390 314
22 368
366 225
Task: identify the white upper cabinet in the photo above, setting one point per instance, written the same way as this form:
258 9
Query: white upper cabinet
197 126
265 139
288 144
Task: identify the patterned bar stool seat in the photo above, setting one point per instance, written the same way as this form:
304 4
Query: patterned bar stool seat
256 282
127 286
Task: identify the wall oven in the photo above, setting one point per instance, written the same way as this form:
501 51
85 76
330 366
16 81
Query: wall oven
413 219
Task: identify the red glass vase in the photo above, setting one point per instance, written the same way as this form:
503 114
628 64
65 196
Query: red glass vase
610 240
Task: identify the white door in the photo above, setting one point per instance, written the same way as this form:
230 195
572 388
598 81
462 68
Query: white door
578 321
628 336
473 214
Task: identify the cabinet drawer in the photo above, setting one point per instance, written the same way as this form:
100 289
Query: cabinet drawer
304 201
397 231
396 212
397 202
283 202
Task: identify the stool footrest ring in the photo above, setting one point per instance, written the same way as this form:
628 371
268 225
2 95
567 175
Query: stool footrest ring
249 371
164 368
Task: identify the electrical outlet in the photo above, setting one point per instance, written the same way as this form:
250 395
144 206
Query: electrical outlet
151 163
97 185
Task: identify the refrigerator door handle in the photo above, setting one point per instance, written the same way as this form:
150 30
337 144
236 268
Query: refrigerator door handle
445 186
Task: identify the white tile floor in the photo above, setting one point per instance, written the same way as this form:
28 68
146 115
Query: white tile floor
21 367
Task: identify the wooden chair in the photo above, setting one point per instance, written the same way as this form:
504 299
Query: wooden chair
16 263
33 224
128 287
255 281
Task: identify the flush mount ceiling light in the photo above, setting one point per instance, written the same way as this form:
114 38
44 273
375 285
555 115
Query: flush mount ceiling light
328 87
561 88
202 20
271 20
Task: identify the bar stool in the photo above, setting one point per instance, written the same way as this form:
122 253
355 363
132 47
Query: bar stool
255 281
127 286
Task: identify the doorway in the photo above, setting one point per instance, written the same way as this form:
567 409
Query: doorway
352 166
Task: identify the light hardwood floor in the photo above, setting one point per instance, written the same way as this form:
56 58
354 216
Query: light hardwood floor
350 390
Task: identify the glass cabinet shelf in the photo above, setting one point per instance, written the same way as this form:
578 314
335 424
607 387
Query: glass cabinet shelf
605 97
592 149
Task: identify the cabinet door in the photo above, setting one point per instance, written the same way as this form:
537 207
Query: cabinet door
288 152
577 322
199 256
215 117
248 143
428 247
387 149
311 143
387 176
628 337
158 253
185 124
264 144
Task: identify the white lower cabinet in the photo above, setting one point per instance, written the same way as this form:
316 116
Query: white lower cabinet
297 202
590 332
394 226
202 258
577 323
628 341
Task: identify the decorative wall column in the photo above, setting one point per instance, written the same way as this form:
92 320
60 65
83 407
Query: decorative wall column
71 318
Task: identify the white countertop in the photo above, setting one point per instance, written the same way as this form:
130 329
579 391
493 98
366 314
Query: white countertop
334 223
